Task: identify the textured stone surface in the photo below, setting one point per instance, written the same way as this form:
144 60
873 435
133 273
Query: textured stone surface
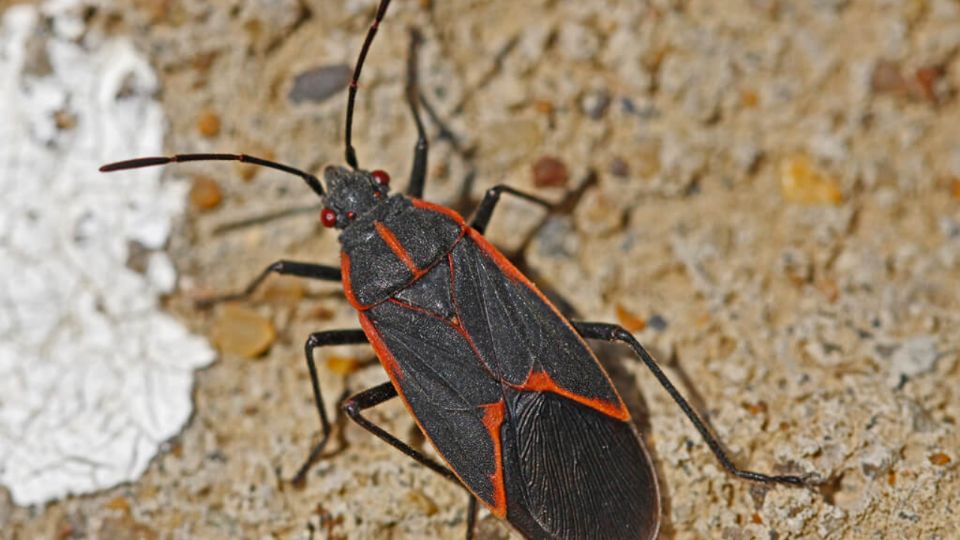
819 334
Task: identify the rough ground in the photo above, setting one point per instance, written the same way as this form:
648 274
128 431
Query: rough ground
778 199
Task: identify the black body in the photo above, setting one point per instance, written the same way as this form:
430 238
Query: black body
499 382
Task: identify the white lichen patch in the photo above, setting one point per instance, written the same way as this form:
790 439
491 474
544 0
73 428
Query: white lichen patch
93 375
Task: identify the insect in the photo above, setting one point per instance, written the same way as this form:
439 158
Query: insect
499 381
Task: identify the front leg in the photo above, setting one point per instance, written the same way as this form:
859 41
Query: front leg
614 332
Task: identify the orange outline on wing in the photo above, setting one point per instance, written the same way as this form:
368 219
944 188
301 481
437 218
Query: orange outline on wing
616 410
347 285
541 381
396 247
493 414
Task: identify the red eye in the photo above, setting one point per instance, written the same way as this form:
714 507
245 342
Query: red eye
328 217
381 177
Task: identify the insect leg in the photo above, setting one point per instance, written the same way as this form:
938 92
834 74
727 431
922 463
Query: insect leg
323 339
613 332
372 397
471 516
418 175
483 213
288 268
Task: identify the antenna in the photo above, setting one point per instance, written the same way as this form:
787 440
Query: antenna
137 163
351 154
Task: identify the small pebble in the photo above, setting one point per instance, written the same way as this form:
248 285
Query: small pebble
749 99
65 120
343 365
320 84
657 322
205 193
956 189
242 331
629 320
543 106
940 459
208 124
801 183
549 171
759 407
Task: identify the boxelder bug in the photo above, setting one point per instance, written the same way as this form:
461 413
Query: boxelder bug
504 386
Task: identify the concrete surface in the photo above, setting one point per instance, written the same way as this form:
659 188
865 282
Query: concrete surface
779 183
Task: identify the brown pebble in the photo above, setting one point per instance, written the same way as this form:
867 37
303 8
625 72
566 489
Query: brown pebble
65 120
749 99
801 183
956 189
549 171
939 458
242 331
629 320
208 124
543 106
342 365
759 407
321 313
205 193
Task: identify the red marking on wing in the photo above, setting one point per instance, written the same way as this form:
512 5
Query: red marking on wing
540 381
492 419
616 410
347 285
493 414
420 203
397 248
383 353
